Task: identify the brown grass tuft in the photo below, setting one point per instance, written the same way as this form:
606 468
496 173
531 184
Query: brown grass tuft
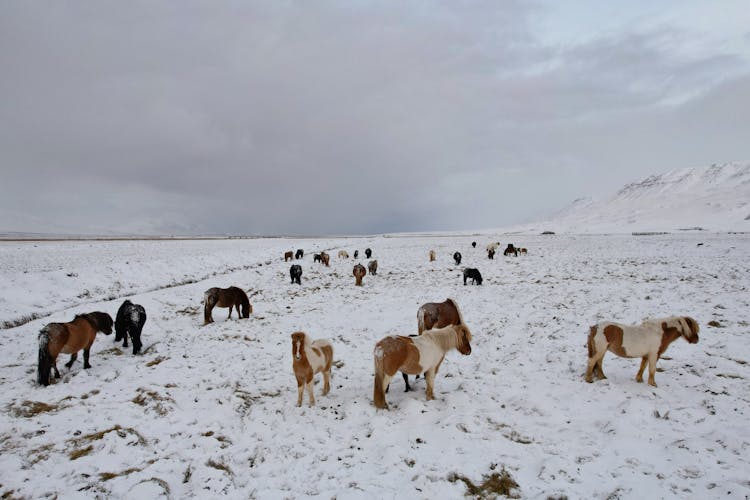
80 452
220 466
156 361
28 409
496 484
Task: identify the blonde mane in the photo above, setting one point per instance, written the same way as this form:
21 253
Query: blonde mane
446 338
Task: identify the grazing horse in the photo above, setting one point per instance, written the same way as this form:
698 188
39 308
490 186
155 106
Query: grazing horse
368 253
491 254
457 258
422 354
299 254
343 254
288 256
647 341
474 275
226 297
129 321
493 246
317 257
69 338
359 273
308 358
356 254
510 249
296 273
372 266
523 251
432 255
325 258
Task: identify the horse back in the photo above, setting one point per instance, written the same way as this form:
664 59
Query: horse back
399 354
325 349
80 335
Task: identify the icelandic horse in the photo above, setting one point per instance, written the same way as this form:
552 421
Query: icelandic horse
308 358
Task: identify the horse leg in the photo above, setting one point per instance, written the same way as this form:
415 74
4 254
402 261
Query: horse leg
639 375
125 337
406 382
86 364
651 368
326 382
593 361
300 387
54 365
310 393
599 370
207 317
72 359
230 312
429 377
137 341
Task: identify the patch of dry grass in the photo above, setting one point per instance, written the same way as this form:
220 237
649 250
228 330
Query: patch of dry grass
492 486
220 466
156 361
152 400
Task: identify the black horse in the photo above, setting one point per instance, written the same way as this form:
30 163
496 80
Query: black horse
491 253
457 258
316 257
299 254
356 254
473 244
473 274
368 253
296 273
129 321
510 249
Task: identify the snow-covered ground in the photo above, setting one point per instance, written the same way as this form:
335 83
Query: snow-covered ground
210 410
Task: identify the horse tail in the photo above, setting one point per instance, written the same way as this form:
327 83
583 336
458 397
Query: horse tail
420 320
378 393
246 307
45 360
591 345
208 304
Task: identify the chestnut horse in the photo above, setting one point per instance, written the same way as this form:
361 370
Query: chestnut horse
226 297
308 358
288 256
359 273
422 354
325 258
647 341
69 338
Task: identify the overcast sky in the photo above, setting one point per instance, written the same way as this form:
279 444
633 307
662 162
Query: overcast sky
355 117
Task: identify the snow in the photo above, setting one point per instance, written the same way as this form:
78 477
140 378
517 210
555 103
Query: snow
211 410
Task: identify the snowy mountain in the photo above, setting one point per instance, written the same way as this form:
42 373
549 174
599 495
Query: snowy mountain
715 198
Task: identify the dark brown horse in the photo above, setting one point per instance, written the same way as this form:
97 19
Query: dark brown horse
288 256
359 273
226 297
69 338
372 266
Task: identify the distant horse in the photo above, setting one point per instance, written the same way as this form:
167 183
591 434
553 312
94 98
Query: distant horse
308 358
69 338
343 254
491 254
436 315
510 249
422 354
647 341
457 258
356 254
296 273
474 275
493 246
473 244
317 258
523 251
226 297
368 253
129 322
288 256
325 258
432 255
299 254
372 266
359 273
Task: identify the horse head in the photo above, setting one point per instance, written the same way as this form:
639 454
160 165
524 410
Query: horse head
463 335
298 345
101 321
691 332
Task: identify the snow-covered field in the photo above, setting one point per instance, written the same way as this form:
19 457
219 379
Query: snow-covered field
210 410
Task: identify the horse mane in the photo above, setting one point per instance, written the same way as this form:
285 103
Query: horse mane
446 337
94 319
458 310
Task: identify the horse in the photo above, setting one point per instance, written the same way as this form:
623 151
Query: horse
317 257
422 354
372 266
432 255
474 275
493 246
288 256
473 244
299 254
368 253
226 297
308 358
129 321
325 258
356 254
343 254
436 315
510 249
457 258
491 254
69 338
523 251
296 273
647 341
359 273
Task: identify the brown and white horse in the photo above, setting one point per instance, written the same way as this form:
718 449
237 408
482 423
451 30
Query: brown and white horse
308 358
226 297
422 354
69 338
647 341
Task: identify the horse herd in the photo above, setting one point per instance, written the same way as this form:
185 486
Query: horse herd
440 326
